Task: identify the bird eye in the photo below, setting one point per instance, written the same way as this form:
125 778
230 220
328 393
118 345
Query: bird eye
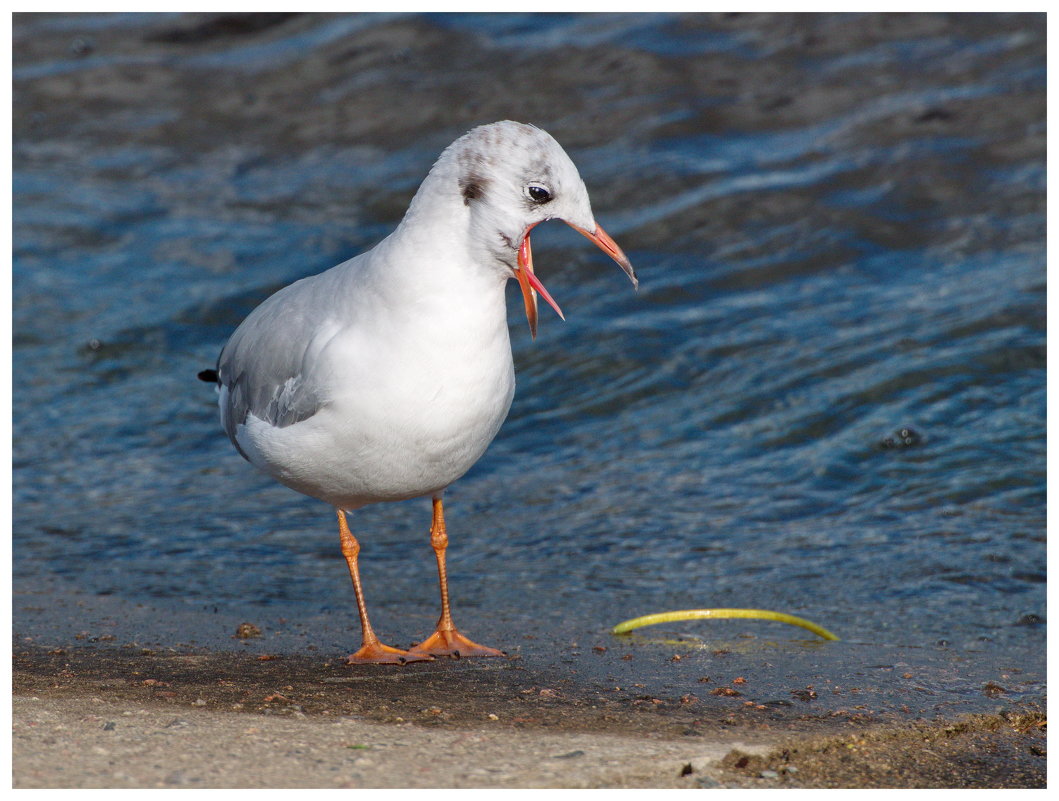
538 194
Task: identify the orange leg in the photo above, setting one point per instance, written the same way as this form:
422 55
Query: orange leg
446 640
371 650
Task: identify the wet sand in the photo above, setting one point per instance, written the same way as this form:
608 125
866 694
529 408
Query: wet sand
127 717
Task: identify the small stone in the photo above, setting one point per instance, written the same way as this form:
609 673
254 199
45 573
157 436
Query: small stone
727 691
902 438
769 774
570 755
247 630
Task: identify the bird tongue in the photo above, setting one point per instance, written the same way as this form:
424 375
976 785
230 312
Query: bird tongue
531 285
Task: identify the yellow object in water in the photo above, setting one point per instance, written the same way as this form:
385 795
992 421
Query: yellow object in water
696 614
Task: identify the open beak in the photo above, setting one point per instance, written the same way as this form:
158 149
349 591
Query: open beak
610 247
531 284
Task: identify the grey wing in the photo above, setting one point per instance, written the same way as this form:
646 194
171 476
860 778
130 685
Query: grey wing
262 369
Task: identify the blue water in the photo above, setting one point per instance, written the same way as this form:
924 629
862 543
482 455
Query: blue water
839 228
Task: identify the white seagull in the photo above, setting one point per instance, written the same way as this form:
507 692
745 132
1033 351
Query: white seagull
385 378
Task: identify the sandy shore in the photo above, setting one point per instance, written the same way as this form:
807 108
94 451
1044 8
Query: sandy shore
103 718
99 743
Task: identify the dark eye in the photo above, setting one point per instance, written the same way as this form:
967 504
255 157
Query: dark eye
538 194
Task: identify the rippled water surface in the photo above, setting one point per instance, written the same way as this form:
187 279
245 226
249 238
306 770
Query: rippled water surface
839 227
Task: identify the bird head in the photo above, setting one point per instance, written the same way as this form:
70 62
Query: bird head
512 177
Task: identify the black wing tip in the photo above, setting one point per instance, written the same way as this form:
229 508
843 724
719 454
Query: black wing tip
209 376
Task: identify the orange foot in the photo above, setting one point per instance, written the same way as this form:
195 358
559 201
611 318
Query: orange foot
378 654
451 643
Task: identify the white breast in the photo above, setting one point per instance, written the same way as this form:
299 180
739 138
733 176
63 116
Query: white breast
412 399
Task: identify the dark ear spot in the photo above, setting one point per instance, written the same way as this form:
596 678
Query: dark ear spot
472 187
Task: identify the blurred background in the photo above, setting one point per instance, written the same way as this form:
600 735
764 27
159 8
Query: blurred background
827 398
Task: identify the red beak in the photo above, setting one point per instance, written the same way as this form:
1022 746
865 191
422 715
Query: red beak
531 285
610 247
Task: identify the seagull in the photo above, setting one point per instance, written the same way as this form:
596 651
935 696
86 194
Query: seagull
386 377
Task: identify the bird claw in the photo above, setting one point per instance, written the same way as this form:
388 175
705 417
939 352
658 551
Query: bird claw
451 643
378 654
